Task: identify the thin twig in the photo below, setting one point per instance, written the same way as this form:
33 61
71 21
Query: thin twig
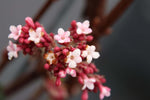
37 93
112 17
43 10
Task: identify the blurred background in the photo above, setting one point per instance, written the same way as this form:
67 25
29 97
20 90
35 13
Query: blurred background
124 56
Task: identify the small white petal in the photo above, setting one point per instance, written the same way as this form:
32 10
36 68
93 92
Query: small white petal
89 58
60 31
84 54
90 86
76 52
95 55
78 59
84 86
79 31
72 64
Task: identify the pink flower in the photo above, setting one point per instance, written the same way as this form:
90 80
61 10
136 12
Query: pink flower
15 32
62 74
104 91
71 72
12 50
89 83
90 53
73 58
83 28
62 37
35 36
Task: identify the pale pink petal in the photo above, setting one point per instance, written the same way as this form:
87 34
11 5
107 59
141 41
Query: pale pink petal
95 55
78 59
89 58
19 27
57 37
90 85
84 86
67 33
92 80
76 52
88 31
79 24
72 64
60 31
13 29
79 31
11 35
84 53
86 23
92 48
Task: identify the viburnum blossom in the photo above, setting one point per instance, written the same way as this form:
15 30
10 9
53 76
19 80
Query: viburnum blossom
89 83
50 57
15 32
62 37
90 53
35 36
12 50
83 28
73 58
104 91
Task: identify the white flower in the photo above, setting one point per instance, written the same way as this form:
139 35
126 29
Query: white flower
73 58
83 28
15 32
89 83
35 36
90 53
12 50
50 57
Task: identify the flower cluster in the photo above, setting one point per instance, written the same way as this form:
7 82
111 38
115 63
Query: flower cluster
72 56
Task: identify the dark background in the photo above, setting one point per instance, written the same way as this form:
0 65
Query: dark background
124 56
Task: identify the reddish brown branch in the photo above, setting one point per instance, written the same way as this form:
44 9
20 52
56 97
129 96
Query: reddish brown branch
4 60
43 10
37 93
111 18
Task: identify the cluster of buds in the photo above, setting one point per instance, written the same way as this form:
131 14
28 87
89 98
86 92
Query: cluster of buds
66 53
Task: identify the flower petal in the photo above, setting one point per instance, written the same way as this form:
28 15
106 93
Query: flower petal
72 64
89 58
95 55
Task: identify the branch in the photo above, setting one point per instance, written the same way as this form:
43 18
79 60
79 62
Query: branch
43 10
112 17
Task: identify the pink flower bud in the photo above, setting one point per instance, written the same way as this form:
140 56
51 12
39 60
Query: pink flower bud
58 81
80 80
28 50
75 35
25 29
21 40
39 45
46 66
46 44
73 24
57 49
42 39
81 38
89 38
52 35
65 51
84 95
27 41
30 22
37 24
